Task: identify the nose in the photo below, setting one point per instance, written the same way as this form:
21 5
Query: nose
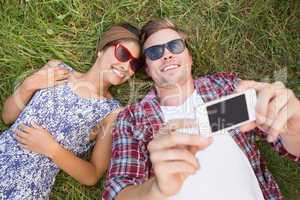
124 67
167 54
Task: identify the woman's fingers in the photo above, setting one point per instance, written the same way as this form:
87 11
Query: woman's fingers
60 74
60 82
52 63
36 126
21 136
25 128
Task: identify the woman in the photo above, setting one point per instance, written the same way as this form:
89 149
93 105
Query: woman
64 109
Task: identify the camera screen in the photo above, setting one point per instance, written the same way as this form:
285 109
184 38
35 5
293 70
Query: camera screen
227 113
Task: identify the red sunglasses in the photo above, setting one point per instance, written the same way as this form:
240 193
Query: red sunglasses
123 55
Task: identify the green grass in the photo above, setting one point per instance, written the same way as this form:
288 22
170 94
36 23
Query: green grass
255 38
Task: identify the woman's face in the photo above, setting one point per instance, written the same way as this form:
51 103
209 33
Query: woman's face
117 61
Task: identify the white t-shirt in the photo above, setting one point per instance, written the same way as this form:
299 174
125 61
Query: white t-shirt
225 172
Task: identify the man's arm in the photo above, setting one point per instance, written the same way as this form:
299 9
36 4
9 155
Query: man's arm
129 156
146 191
171 163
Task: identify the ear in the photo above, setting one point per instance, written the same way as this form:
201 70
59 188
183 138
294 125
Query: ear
99 54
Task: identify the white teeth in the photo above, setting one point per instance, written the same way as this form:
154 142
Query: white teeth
118 73
170 67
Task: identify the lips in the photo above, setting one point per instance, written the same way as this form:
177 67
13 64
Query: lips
118 72
170 67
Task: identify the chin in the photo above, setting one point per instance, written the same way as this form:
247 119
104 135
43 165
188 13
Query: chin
117 81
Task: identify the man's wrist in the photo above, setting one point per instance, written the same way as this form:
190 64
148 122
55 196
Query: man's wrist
155 192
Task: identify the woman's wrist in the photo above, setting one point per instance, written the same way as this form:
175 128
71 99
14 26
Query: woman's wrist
53 151
29 84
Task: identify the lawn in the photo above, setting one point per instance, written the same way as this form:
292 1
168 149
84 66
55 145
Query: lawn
259 39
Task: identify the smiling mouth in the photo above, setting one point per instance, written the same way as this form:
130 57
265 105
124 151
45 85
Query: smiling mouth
170 67
118 72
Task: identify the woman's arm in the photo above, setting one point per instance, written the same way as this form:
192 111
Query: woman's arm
87 173
48 76
15 103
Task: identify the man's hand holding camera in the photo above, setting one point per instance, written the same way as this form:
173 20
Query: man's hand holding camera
172 154
277 113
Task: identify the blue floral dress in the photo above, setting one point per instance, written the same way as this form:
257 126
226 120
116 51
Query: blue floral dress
69 118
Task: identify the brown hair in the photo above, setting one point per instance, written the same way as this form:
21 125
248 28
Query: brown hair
117 33
153 26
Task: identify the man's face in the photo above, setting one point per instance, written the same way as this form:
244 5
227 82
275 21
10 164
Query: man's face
171 69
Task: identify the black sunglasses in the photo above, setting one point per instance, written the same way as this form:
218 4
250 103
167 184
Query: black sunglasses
157 51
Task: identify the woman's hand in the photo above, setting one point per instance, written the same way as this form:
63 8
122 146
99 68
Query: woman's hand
36 139
48 76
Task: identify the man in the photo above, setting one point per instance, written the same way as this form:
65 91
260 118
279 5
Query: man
151 157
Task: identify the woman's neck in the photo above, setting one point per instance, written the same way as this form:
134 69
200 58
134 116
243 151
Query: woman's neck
92 84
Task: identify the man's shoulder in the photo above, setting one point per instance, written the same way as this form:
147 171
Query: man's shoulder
219 80
219 76
213 86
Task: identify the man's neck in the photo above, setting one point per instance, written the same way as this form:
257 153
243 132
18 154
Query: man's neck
175 96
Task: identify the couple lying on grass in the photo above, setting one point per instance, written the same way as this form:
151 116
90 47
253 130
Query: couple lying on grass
58 114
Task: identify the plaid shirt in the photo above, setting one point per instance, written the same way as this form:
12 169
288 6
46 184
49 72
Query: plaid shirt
137 123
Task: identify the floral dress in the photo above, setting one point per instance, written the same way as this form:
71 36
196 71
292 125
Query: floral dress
69 118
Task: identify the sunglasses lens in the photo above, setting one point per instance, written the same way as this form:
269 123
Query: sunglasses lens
122 54
155 52
176 46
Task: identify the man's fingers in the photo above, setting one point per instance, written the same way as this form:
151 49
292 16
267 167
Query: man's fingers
181 123
246 84
174 155
175 139
263 99
278 103
280 123
173 167
248 127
